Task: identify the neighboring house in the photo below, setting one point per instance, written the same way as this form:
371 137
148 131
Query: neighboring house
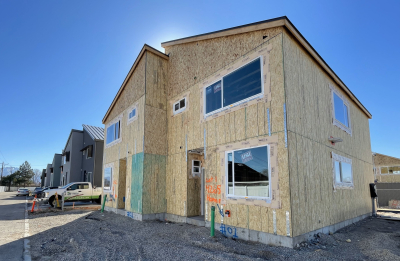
387 168
43 178
82 158
387 177
47 180
71 160
247 120
92 154
56 171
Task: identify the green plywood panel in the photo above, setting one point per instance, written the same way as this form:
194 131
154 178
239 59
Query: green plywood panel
137 183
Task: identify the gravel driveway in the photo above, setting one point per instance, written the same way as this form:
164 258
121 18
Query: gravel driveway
83 235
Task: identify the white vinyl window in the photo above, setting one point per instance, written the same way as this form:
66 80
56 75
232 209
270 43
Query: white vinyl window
343 171
196 166
241 85
341 112
248 173
179 106
113 132
107 179
132 113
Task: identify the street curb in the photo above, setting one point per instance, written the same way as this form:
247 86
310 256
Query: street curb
27 247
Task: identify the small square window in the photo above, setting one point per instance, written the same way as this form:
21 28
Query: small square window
196 164
180 106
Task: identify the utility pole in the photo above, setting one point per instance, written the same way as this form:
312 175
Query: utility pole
2 168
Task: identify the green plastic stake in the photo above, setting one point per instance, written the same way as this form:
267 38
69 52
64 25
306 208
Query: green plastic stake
104 202
212 220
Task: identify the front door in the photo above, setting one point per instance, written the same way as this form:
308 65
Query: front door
121 184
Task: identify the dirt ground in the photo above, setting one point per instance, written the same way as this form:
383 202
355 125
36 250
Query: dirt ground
91 235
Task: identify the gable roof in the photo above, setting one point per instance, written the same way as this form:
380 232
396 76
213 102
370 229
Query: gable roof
96 133
69 137
276 22
145 48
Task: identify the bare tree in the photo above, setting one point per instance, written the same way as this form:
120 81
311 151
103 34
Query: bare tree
37 177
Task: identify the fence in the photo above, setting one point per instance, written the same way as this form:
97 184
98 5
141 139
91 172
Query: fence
387 192
3 189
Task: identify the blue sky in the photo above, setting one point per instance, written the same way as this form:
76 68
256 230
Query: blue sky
62 62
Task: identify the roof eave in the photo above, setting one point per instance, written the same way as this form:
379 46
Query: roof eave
276 22
135 64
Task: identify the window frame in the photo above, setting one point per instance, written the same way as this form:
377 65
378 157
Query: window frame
346 104
233 196
340 159
130 110
194 173
257 96
87 152
180 109
111 179
114 122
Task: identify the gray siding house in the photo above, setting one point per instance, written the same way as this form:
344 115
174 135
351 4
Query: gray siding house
71 160
82 157
92 154
42 178
56 171
47 179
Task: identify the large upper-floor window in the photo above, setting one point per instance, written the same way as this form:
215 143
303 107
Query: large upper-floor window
341 112
113 132
248 173
234 88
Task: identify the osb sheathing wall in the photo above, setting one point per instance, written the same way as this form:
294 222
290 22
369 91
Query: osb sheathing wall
314 202
155 139
132 142
189 64
381 160
143 140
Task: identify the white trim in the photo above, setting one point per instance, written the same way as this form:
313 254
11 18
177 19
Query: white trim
341 185
336 122
106 166
194 173
222 90
130 120
233 196
115 120
180 109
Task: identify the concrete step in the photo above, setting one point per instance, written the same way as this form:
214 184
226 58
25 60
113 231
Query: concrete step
197 221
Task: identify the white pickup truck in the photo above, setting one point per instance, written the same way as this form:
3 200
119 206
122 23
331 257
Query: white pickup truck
75 191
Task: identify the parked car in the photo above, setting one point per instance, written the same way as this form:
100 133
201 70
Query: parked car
22 192
75 191
37 191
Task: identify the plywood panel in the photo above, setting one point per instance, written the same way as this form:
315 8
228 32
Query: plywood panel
156 81
310 124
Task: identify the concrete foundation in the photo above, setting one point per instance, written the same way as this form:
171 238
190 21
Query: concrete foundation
242 233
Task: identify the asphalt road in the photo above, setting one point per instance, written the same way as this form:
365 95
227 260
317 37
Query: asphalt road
12 226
